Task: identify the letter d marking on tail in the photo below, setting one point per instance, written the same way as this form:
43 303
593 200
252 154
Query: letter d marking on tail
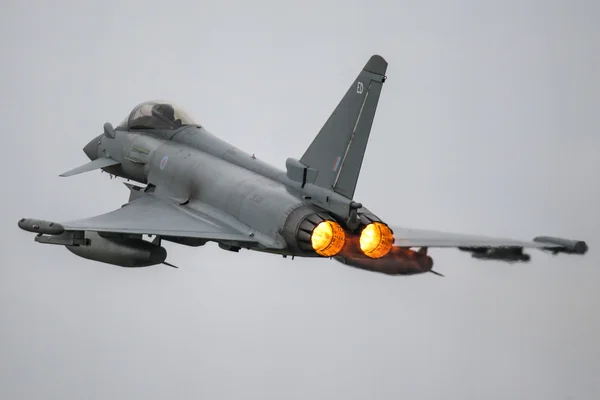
359 87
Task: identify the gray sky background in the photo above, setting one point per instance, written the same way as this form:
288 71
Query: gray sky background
487 124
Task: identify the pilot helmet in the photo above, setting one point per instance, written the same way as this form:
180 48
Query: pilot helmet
163 111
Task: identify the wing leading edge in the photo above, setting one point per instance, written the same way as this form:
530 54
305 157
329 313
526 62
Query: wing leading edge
151 215
485 247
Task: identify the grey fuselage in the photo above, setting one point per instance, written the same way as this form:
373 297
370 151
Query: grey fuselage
190 164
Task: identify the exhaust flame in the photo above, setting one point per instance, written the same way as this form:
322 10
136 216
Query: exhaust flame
376 240
399 261
328 238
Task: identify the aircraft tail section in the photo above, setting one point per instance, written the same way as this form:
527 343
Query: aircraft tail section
338 150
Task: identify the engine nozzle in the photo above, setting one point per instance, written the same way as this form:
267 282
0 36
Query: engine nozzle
376 240
328 238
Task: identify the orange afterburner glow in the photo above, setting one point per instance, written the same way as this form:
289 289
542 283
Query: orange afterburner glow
328 238
376 240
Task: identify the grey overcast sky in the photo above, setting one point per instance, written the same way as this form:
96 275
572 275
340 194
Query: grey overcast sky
488 123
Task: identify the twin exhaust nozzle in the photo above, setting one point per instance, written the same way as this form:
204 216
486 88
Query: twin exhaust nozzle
328 239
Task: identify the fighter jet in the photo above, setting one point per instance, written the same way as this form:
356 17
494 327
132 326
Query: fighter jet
192 187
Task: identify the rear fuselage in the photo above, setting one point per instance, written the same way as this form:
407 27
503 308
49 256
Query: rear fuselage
192 165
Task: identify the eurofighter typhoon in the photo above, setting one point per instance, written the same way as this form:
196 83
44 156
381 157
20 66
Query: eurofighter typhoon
195 188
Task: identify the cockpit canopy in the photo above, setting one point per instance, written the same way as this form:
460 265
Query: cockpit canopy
156 115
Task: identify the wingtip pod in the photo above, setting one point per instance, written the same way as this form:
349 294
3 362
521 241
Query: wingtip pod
564 245
40 226
376 65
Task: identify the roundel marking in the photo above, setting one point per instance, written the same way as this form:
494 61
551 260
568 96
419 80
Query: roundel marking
163 162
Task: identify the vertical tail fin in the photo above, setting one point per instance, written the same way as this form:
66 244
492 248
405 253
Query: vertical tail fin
338 150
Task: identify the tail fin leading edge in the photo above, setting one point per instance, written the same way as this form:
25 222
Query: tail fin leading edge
338 150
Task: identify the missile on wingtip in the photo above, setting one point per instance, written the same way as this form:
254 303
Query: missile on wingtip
41 226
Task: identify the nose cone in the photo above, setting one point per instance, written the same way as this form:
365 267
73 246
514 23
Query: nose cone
91 149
